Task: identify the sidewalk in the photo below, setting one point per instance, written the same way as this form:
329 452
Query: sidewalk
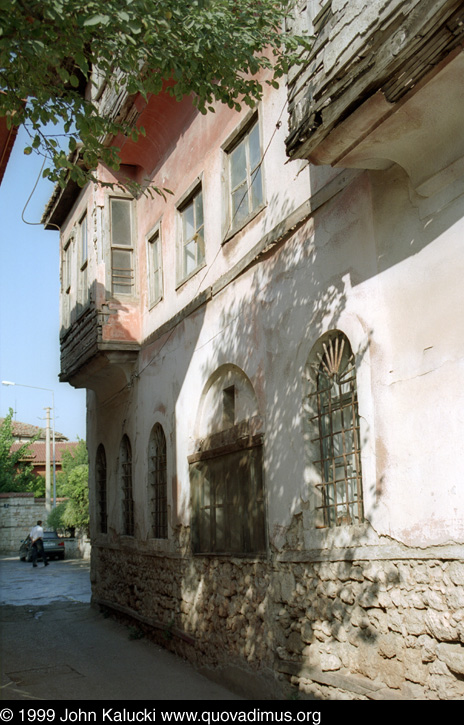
54 646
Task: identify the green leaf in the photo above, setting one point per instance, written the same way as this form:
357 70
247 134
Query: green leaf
96 20
207 46
81 61
135 27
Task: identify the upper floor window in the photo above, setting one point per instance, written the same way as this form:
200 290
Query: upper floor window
84 240
66 277
336 433
100 476
155 279
125 472
83 259
192 238
157 467
245 176
66 267
122 247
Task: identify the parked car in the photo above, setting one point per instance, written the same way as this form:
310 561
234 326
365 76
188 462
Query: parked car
53 545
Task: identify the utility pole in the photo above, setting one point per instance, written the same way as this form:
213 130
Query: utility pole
21 385
48 505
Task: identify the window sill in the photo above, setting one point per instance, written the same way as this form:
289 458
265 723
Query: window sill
152 305
123 296
190 275
339 537
261 556
238 228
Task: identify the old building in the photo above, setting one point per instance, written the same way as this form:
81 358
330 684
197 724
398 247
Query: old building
274 365
37 451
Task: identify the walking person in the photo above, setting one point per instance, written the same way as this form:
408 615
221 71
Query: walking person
37 544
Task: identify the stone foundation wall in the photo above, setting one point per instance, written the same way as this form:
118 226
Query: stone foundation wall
339 629
396 626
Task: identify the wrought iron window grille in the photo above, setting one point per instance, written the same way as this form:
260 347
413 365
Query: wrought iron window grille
336 422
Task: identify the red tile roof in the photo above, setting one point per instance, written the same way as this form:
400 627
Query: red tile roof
26 430
38 450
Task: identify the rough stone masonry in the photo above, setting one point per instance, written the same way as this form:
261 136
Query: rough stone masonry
334 629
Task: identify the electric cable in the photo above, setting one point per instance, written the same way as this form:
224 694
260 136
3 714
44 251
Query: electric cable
35 224
171 332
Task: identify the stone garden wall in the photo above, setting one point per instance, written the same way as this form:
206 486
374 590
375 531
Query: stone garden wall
19 512
334 629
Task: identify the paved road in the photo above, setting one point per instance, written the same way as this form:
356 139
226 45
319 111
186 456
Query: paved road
62 581
55 646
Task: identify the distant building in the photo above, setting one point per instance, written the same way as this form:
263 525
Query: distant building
25 432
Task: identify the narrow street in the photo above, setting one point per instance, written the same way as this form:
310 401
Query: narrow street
55 646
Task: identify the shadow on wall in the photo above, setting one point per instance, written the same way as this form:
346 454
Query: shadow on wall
313 607
316 607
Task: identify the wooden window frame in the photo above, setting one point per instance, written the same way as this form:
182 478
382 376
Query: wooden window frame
66 266
84 292
154 238
227 480
129 248
242 135
186 201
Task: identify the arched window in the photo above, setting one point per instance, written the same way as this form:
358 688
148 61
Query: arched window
100 476
125 472
335 431
157 471
226 470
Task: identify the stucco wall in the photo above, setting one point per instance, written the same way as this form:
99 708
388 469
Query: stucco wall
380 283
361 611
370 610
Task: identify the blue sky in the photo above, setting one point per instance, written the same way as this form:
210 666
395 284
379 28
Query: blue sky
29 303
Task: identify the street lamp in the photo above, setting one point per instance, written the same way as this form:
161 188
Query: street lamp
21 385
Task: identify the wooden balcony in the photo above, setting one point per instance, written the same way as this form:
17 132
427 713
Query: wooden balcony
92 356
367 63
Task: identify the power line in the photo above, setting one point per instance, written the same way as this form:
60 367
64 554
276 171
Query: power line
210 266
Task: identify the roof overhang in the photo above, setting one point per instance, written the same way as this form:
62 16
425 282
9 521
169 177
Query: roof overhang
60 205
63 199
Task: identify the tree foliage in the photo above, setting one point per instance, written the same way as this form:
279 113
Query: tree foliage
38 486
16 475
73 482
212 49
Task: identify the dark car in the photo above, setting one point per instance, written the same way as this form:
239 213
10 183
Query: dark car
53 545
